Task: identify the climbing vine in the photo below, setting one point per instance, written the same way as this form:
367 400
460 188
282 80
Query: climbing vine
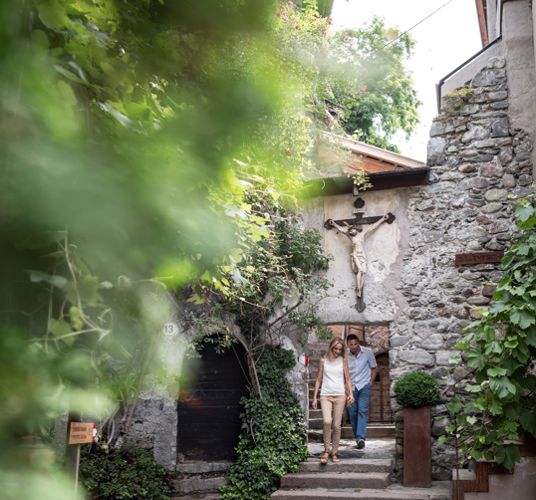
500 350
272 440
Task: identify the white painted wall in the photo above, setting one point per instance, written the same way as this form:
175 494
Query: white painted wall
383 248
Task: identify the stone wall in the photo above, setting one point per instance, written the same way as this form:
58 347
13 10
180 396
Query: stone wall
477 160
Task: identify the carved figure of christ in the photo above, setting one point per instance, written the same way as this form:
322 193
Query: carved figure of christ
357 235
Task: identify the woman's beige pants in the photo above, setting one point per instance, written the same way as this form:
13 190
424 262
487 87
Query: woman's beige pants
332 410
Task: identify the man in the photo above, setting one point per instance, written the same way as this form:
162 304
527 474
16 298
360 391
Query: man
363 369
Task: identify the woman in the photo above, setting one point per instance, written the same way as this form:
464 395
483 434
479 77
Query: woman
334 376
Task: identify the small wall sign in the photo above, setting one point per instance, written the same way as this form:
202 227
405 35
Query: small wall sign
469 259
82 432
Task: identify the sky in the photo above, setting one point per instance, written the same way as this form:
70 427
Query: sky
443 41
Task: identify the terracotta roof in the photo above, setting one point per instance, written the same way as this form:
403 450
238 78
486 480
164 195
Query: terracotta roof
365 157
339 158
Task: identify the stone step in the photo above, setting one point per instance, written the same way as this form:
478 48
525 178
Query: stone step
198 496
348 465
330 479
197 484
316 434
202 467
373 431
394 492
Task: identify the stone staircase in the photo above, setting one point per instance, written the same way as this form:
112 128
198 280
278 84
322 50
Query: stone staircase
360 474
374 430
199 480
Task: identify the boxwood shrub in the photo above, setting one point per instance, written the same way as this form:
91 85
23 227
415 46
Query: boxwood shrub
417 389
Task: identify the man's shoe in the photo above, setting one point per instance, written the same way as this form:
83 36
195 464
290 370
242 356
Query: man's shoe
360 444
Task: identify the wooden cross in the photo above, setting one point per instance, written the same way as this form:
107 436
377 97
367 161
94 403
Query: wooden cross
359 219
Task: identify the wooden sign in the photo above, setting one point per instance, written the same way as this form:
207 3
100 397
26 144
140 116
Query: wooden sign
82 432
469 259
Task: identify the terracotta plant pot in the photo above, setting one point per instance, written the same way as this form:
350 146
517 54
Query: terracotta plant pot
418 447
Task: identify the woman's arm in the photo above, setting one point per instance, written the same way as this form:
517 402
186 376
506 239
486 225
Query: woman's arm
318 382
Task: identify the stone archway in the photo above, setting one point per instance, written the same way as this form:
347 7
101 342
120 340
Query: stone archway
209 411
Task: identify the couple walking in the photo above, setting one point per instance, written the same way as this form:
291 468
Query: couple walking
344 380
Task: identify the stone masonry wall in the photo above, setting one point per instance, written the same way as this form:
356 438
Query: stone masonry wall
476 162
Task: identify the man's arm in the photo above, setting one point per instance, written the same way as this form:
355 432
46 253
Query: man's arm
373 374
373 366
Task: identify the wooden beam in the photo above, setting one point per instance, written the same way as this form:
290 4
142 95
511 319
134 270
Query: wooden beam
482 21
382 180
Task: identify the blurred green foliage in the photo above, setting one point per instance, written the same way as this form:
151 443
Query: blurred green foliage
135 138
357 80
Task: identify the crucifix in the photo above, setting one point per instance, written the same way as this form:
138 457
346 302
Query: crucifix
357 229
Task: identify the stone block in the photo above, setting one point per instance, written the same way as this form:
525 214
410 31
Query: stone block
417 357
499 95
194 484
499 226
436 149
478 300
491 208
487 77
442 357
488 290
432 342
508 181
491 169
479 182
525 180
438 426
467 168
496 195
500 128
399 340
476 132
377 338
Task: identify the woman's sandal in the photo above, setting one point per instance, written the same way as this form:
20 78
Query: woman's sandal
334 458
324 458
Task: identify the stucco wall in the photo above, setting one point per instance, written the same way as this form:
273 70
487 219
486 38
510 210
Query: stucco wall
384 249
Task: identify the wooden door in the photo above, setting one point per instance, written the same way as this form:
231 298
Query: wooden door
209 412
380 407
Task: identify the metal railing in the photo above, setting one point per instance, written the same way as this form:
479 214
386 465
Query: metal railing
439 84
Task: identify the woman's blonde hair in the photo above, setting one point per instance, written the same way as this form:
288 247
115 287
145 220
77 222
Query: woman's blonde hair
332 344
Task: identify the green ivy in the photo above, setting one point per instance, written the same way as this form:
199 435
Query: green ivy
123 474
273 436
500 348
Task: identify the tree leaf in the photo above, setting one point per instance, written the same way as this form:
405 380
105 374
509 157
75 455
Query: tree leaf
58 327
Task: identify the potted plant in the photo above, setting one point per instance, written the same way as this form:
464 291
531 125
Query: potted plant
417 392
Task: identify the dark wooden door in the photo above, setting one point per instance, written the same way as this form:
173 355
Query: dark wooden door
380 407
209 412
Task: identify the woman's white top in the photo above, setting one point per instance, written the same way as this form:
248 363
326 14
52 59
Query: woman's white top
333 377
